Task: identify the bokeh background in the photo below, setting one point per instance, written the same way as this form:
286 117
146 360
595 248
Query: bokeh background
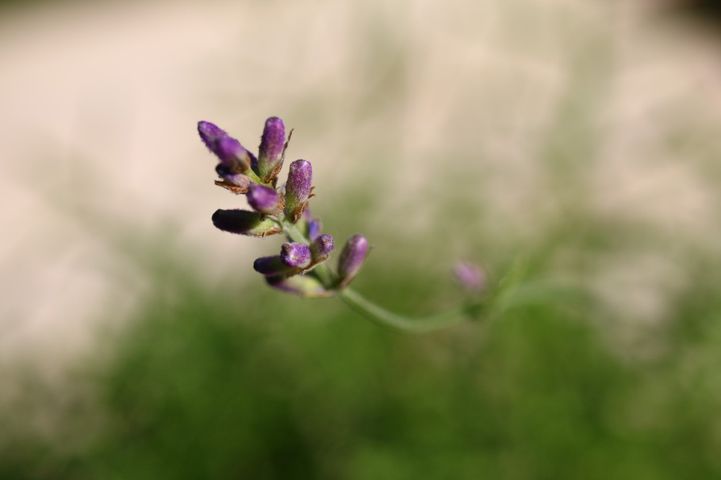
571 147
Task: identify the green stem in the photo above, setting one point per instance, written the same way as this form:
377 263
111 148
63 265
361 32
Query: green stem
373 311
413 325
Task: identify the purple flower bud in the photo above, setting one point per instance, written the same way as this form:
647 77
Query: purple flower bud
351 258
244 222
236 182
298 188
210 133
232 154
263 199
272 266
296 255
302 285
321 247
470 276
270 152
228 150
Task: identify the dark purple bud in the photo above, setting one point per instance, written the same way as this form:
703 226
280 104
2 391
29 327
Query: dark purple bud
272 266
263 199
351 258
470 276
298 188
302 285
270 152
244 222
296 255
321 247
210 133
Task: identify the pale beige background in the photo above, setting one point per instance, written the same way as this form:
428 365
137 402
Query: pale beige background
99 104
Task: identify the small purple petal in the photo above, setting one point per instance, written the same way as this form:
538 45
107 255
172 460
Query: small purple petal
270 152
298 187
321 247
314 229
470 276
351 258
263 199
296 255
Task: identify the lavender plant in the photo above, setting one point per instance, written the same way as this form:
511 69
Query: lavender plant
301 267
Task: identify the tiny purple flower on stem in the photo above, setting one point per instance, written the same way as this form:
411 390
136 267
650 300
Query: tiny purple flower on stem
296 255
270 152
351 258
298 188
470 276
272 266
263 199
321 247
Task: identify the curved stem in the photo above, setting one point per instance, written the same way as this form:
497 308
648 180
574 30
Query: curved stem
414 325
375 312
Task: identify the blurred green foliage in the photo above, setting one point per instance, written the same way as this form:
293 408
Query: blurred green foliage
243 382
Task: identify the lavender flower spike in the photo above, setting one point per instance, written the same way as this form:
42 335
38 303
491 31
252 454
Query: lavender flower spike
321 247
270 152
296 255
351 259
298 188
263 199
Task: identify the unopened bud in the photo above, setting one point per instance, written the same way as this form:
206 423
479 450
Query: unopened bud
321 247
244 222
272 266
296 255
298 188
351 258
228 150
263 199
270 152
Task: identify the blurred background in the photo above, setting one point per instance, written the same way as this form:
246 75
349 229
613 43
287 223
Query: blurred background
571 146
